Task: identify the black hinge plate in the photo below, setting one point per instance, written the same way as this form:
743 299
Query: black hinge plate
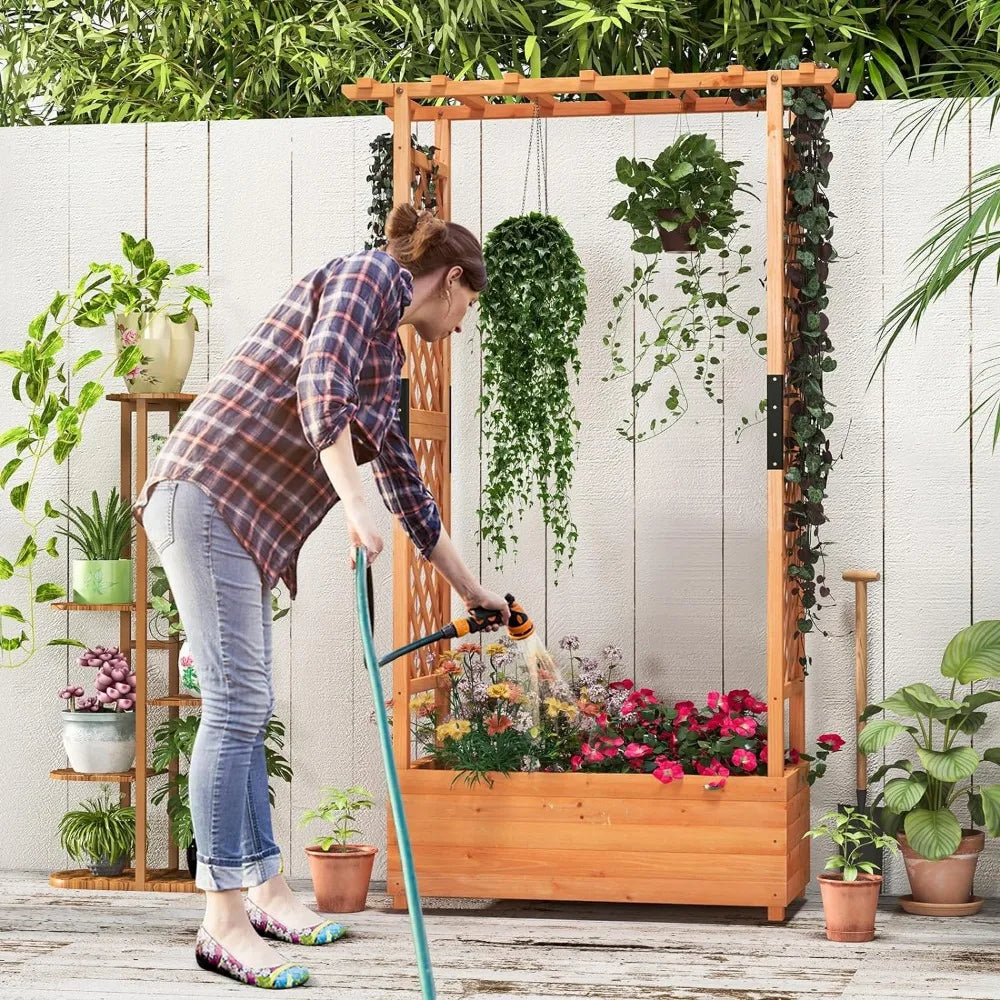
775 429
404 408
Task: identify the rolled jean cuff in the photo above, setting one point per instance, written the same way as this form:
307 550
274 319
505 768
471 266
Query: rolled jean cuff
217 876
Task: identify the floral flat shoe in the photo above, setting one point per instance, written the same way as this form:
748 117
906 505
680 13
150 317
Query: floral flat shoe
322 933
212 957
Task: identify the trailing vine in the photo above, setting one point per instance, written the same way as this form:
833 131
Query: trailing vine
380 179
530 319
811 416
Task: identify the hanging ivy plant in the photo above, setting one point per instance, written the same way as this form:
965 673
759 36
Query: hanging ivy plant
380 179
530 319
685 195
811 416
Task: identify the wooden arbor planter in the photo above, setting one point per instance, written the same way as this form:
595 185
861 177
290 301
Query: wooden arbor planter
601 836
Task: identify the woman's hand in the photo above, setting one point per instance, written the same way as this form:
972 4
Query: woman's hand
482 598
361 530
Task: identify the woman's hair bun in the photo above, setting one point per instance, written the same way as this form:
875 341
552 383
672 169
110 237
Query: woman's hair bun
412 234
422 242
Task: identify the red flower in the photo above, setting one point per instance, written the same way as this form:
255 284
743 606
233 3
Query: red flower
742 726
718 702
623 685
793 756
744 759
685 709
737 697
763 754
575 761
497 723
716 721
667 771
755 706
591 754
831 741
602 720
636 751
715 772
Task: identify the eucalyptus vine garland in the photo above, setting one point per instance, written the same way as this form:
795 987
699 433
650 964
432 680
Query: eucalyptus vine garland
530 319
380 180
810 411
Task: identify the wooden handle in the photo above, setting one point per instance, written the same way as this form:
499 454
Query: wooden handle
861 579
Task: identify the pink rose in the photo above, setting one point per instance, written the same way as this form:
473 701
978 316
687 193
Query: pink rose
129 338
636 751
745 759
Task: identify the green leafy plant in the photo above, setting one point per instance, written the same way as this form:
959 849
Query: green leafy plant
173 742
531 314
102 534
54 416
339 808
852 831
940 729
380 180
101 829
694 185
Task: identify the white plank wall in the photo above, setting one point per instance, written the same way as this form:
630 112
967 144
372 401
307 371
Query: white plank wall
670 558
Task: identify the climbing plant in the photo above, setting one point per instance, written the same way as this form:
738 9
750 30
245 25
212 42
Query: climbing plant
380 180
530 318
810 414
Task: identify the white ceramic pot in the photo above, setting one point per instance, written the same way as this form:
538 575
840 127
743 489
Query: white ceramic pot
167 350
99 742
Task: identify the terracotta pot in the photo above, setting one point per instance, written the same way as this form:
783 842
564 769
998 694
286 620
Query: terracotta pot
849 907
948 880
341 876
681 239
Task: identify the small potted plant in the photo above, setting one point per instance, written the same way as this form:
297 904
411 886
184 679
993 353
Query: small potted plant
100 833
161 326
940 856
98 731
850 892
173 742
685 194
102 576
341 871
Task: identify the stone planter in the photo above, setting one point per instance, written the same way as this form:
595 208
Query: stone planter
102 581
99 742
167 349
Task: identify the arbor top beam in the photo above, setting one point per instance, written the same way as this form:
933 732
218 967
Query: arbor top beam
517 96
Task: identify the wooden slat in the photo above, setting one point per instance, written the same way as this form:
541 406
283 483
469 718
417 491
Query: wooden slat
133 398
430 424
74 606
176 701
156 644
68 774
423 161
157 880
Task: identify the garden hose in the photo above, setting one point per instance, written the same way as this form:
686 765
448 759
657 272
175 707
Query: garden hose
363 587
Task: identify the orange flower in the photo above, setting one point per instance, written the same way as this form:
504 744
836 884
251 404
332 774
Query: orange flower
469 647
497 723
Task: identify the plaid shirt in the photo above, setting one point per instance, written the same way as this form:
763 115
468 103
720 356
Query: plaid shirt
327 355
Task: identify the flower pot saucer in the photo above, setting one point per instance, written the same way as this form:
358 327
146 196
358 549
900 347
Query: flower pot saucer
910 905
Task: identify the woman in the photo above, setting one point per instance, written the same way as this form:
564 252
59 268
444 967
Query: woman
247 474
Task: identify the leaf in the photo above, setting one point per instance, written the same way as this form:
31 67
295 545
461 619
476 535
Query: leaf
66 642
926 701
48 592
12 435
28 552
50 511
86 359
879 734
90 394
903 794
142 256
933 833
19 496
6 569
9 469
974 653
990 795
647 245
186 269
992 755
129 358
9 611
949 765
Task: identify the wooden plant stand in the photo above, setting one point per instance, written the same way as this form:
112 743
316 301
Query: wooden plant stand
139 876
582 836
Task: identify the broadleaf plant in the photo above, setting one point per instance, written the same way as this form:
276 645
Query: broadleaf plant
921 797
339 808
531 314
55 413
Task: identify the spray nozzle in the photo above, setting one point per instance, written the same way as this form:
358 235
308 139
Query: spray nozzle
519 625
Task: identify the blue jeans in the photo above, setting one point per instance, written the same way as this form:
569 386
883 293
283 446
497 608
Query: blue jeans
226 611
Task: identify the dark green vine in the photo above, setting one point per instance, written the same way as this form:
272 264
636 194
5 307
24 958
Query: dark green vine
810 414
530 319
380 179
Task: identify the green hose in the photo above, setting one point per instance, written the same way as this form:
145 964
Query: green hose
392 779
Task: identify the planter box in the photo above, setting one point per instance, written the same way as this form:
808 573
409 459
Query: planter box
607 838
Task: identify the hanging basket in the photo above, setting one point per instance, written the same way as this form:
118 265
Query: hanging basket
681 239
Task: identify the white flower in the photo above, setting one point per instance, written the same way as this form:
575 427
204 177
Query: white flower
613 654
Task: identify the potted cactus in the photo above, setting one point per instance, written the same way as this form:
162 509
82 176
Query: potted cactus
99 730
101 834
850 890
101 576
341 871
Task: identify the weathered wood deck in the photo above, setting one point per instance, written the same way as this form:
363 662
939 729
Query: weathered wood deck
73 945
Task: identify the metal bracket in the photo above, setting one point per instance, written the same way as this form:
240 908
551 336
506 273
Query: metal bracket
775 422
404 408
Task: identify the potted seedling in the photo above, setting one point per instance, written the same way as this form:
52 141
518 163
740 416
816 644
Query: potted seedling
98 731
102 576
100 834
173 742
685 194
341 871
850 891
940 855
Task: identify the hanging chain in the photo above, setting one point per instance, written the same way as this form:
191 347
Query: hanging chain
541 163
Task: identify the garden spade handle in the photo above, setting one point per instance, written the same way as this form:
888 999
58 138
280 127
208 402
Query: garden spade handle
861 578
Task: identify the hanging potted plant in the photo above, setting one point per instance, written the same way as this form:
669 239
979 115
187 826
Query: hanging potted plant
173 742
341 871
102 576
530 319
98 731
685 194
850 892
100 834
940 856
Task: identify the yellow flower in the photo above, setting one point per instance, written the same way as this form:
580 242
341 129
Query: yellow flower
499 690
553 706
422 704
496 649
453 729
463 726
